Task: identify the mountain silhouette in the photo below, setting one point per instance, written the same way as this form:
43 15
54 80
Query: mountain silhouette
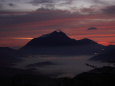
103 76
56 39
58 42
7 49
86 41
52 39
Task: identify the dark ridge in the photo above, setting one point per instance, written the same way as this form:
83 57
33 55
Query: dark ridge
104 76
53 39
58 43
86 41
6 49
106 54
56 39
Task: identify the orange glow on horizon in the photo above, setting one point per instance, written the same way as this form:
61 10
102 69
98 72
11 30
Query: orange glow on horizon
21 38
104 43
74 26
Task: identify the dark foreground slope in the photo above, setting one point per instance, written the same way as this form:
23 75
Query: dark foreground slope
104 76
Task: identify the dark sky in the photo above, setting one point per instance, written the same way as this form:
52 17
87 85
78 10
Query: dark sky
22 20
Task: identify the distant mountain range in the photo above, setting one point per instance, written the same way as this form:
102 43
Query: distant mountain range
58 42
7 56
7 49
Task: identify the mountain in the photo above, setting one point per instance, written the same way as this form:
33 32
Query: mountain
56 39
107 54
58 42
10 51
53 39
7 49
104 76
8 60
86 41
8 56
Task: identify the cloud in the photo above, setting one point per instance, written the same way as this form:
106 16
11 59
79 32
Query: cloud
109 9
11 4
81 6
38 22
39 18
100 1
1 5
87 11
2 1
113 42
104 2
35 2
14 8
92 28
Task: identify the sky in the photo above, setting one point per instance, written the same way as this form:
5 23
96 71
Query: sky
23 20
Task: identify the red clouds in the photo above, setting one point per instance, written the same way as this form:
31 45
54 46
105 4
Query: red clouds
41 22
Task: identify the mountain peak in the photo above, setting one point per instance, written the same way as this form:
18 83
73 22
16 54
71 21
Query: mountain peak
56 34
57 38
87 41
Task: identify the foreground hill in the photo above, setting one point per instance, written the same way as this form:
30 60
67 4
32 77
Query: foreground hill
104 76
59 43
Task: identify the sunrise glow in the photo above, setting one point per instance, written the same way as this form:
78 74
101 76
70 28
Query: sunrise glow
71 16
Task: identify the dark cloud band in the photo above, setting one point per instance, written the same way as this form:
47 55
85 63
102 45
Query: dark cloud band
92 28
109 9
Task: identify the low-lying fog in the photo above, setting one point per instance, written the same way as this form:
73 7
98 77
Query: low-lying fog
58 66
